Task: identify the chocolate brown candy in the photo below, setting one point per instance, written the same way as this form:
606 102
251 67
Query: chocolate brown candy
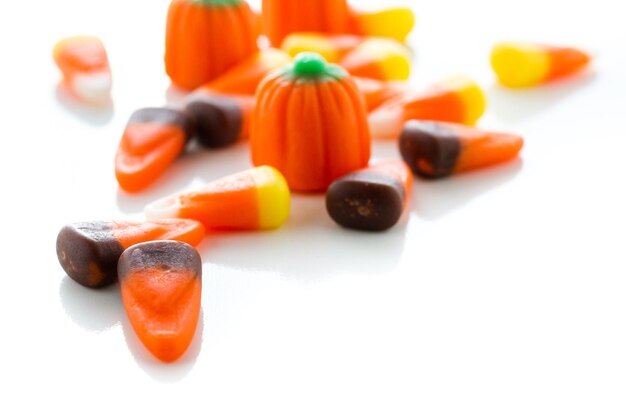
370 199
164 116
218 119
160 255
88 252
431 149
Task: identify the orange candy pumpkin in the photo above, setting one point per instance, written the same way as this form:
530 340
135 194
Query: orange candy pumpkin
204 38
310 123
282 17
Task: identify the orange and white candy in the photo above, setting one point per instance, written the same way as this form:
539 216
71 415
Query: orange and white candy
85 67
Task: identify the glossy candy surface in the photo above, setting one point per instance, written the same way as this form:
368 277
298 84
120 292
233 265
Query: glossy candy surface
376 92
161 287
437 149
379 58
310 124
89 251
331 47
280 17
456 99
205 38
152 140
250 200
394 22
220 119
85 67
520 65
245 76
372 198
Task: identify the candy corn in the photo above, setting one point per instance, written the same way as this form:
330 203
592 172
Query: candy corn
152 140
89 251
220 119
378 92
395 23
372 198
331 47
85 67
250 200
457 99
245 77
379 58
161 286
522 65
438 149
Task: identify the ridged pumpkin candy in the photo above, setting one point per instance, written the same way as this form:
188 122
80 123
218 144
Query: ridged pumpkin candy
204 38
310 123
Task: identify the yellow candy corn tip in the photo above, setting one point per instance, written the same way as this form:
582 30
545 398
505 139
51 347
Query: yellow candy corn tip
395 23
63 43
310 42
273 196
519 65
394 58
274 58
472 96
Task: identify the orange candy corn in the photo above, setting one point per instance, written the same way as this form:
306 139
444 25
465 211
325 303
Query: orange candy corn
379 58
438 149
161 286
152 140
89 251
85 67
220 119
372 198
245 77
520 65
250 200
331 47
457 100
378 92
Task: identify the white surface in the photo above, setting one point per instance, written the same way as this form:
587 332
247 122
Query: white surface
501 293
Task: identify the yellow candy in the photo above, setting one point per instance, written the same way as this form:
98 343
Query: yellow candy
520 65
395 23
331 47
379 58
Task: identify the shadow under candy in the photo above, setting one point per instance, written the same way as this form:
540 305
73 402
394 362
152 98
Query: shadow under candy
309 246
92 114
95 310
157 370
517 105
432 199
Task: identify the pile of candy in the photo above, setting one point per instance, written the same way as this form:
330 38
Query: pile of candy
310 103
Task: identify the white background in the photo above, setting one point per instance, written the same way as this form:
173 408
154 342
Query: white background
500 293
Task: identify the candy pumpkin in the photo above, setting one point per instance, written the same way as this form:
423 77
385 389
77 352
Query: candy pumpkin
282 17
204 38
310 123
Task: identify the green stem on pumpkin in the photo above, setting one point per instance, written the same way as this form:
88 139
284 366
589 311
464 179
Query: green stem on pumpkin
312 66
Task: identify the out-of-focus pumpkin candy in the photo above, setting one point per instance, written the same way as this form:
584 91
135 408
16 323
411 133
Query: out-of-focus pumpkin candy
282 17
204 38
310 123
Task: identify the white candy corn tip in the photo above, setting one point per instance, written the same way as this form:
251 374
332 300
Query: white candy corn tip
93 88
166 208
386 122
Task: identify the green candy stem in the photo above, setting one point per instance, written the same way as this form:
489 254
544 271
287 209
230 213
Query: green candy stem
309 63
312 65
